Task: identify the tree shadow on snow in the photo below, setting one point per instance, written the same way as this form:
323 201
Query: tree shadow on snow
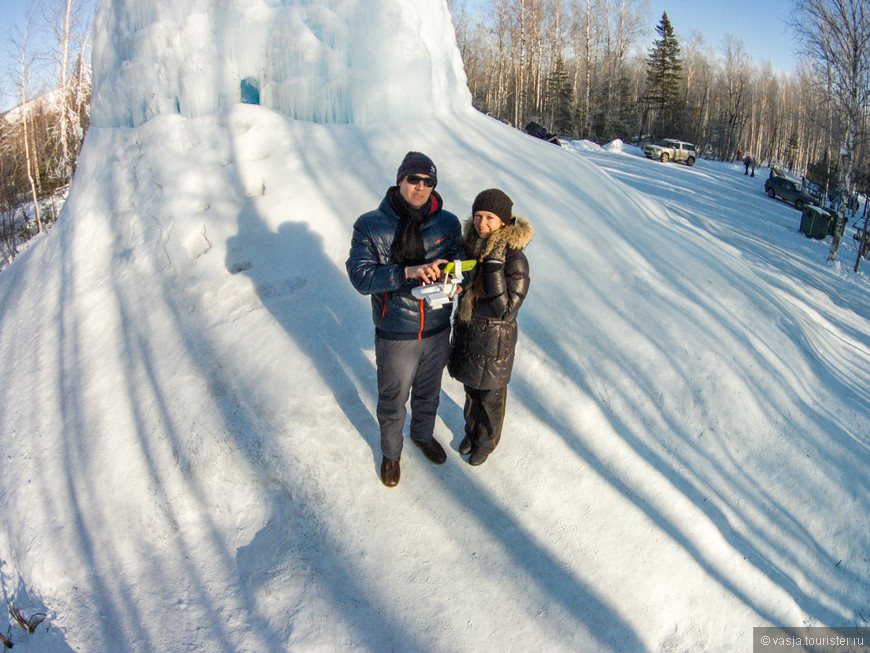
791 542
701 493
315 305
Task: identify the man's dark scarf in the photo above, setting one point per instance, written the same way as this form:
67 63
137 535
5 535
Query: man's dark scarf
408 248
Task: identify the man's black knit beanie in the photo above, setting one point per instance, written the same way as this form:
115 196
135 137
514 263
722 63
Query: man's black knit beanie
416 163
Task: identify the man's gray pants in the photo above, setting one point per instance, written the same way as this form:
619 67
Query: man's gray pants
415 368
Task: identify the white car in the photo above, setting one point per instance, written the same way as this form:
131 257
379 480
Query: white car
669 149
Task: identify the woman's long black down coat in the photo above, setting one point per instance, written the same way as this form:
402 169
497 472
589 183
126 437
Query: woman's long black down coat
485 326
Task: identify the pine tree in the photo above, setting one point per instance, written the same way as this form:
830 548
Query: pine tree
562 94
663 73
792 150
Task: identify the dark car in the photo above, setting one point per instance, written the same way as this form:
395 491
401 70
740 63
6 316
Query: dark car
536 130
789 190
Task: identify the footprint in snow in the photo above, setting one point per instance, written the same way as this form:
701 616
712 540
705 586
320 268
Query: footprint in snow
279 288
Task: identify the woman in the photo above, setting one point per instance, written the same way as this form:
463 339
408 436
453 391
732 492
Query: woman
485 327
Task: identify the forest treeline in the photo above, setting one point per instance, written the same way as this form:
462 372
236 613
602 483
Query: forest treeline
584 69
588 69
41 137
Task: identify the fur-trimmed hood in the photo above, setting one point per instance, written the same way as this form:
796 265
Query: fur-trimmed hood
514 236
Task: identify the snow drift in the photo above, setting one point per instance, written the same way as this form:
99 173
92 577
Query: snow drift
187 421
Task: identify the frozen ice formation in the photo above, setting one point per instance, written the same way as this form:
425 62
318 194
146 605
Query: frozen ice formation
327 61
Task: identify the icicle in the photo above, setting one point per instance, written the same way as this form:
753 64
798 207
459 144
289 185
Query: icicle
319 60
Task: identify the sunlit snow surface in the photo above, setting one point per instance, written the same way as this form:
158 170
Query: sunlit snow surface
328 61
187 416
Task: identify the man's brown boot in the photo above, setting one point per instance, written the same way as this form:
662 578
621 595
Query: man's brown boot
390 472
432 450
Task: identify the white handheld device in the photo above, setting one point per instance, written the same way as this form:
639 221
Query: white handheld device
442 292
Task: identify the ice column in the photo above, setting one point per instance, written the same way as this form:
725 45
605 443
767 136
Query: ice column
342 61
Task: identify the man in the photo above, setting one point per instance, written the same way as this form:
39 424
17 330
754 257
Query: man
749 161
401 244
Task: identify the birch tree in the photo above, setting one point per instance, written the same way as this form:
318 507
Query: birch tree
67 18
722 100
735 93
836 35
25 64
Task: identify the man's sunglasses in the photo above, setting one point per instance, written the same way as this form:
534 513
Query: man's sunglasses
428 182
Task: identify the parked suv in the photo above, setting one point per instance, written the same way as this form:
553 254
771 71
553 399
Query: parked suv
789 190
669 149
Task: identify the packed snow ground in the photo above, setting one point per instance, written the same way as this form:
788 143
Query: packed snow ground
187 416
187 422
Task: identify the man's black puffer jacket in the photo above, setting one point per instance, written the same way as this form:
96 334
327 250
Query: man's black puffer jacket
396 313
485 329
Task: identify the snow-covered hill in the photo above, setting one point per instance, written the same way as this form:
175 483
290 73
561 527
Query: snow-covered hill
187 417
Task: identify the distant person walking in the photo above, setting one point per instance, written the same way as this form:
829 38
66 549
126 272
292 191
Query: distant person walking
485 327
397 246
749 161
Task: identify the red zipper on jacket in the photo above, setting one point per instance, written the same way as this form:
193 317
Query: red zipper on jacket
422 315
422 321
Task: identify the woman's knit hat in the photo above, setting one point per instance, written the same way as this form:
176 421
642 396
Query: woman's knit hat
494 201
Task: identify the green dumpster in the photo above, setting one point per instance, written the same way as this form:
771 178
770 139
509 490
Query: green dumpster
815 222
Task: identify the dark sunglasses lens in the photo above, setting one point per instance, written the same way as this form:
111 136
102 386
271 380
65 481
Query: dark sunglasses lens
428 182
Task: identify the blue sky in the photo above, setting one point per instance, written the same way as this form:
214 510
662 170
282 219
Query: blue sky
12 14
12 20
762 25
